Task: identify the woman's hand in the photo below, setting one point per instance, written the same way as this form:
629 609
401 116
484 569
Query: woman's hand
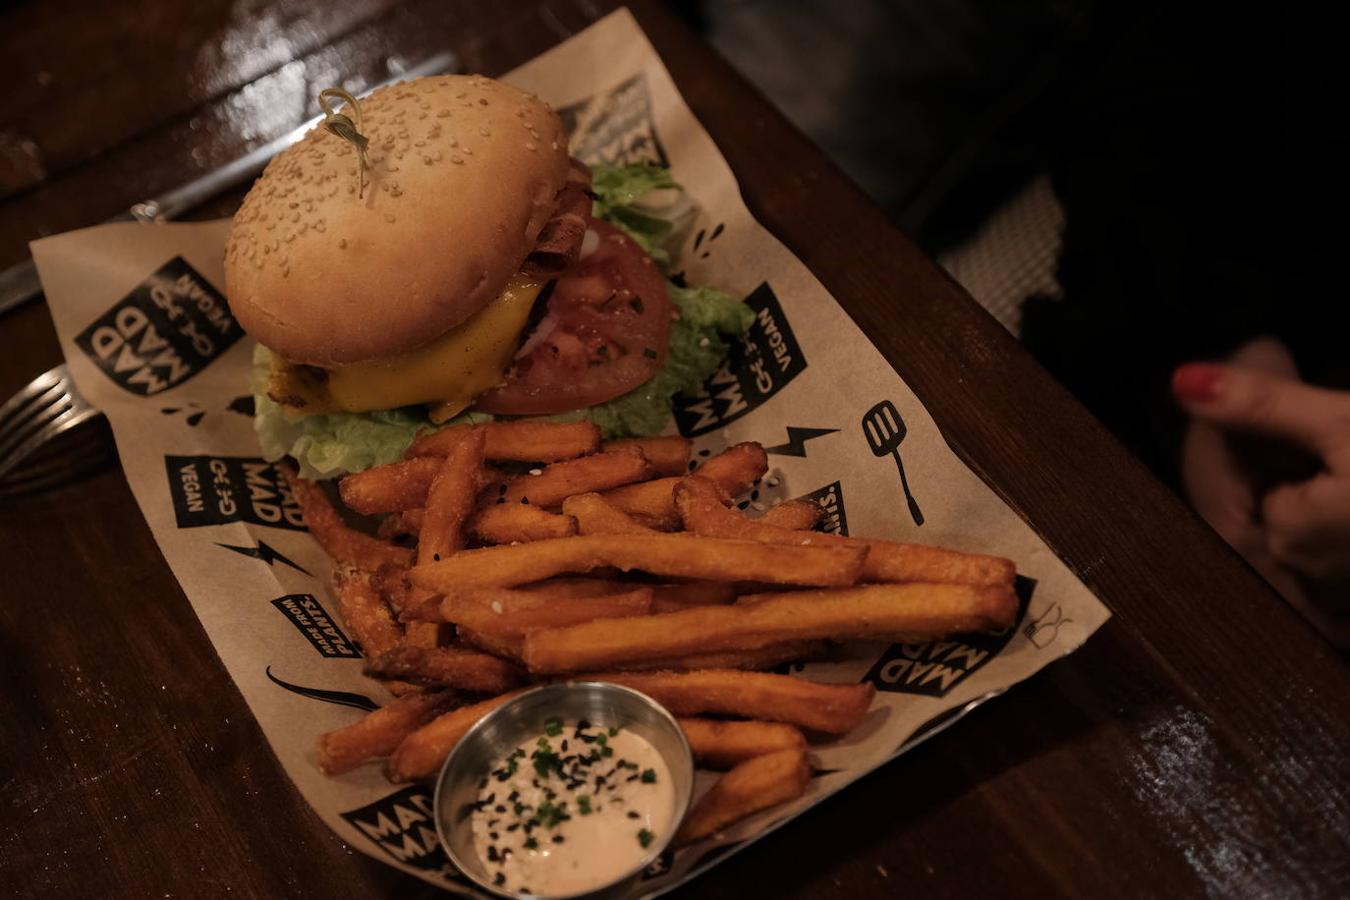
1297 534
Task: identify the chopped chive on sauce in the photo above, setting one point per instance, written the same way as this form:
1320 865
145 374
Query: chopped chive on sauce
560 822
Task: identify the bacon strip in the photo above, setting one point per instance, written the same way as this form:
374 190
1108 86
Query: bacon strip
559 242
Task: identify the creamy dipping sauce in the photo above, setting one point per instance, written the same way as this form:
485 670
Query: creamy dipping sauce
573 810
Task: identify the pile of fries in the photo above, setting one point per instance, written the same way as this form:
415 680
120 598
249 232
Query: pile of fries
541 553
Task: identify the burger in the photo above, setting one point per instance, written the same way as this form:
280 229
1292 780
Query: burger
432 255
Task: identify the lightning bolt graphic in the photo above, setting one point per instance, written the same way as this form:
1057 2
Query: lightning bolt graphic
796 442
263 552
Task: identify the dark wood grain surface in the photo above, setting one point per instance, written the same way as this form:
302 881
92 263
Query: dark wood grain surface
1195 746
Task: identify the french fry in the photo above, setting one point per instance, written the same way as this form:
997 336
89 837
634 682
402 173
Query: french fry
390 488
401 524
426 635
511 523
380 731
751 660
423 751
702 512
825 708
597 472
754 785
668 455
676 556
450 499
596 515
346 546
513 614
908 612
517 441
393 587
736 468
649 502
653 503
364 611
554 589
568 588
452 667
673 597
719 744
794 515
507 648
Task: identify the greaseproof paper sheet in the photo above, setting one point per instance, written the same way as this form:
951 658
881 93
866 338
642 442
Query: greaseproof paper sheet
150 340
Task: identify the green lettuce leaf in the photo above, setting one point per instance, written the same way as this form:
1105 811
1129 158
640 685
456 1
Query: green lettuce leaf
618 189
326 446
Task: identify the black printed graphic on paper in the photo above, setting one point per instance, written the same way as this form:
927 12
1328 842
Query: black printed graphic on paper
760 365
795 445
403 826
831 499
244 405
705 251
264 552
885 431
192 414
217 490
307 614
615 127
324 695
161 334
1043 630
934 668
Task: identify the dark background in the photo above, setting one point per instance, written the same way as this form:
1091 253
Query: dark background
1196 150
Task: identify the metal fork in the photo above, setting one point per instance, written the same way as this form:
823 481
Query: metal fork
48 407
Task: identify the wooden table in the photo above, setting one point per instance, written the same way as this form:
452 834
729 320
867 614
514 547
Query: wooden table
1196 745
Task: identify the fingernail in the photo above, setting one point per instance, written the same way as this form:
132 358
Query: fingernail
1197 382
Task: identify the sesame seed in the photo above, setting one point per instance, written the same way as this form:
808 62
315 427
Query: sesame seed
457 160
531 146
497 607
773 481
536 471
703 342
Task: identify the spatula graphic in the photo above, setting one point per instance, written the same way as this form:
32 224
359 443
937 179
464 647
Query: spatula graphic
885 430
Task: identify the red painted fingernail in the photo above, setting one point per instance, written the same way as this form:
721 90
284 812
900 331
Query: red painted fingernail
1197 382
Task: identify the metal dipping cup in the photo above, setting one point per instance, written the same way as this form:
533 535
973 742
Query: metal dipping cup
521 719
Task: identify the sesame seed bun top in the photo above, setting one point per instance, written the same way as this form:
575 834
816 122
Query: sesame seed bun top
462 173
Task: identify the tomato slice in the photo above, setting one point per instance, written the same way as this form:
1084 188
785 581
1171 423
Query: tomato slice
605 331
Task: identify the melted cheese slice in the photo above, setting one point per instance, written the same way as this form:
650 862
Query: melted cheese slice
450 371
